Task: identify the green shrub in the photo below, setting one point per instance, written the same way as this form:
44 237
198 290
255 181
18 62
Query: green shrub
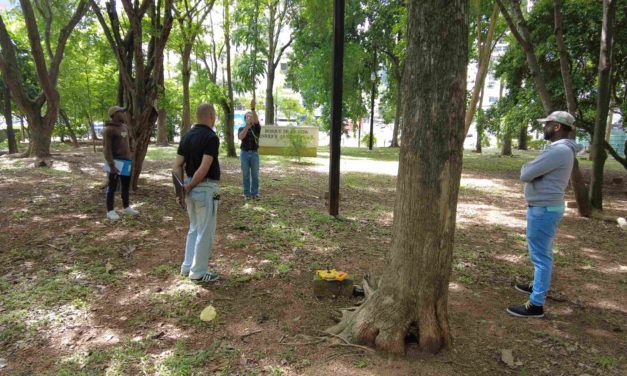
366 139
298 143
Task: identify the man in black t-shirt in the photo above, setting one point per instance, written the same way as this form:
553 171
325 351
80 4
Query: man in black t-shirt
249 155
198 167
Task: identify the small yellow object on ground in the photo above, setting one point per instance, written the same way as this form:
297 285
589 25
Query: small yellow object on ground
331 274
208 314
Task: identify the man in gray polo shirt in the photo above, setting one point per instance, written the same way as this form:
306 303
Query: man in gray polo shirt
546 178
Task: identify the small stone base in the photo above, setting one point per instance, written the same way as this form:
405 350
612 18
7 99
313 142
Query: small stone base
330 289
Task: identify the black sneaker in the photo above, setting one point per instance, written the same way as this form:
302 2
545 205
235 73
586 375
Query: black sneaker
526 288
207 278
526 310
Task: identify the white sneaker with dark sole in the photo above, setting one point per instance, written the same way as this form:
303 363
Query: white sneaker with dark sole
112 215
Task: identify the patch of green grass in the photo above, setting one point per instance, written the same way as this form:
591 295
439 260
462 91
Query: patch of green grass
606 361
20 215
126 358
243 278
164 270
283 267
161 153
360 363
185 361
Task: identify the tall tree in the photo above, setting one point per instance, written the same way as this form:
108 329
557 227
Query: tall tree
279 14
42 110
190 16
387 24
520 29
412 296
228 105
139 54
485 46
8 117
603 99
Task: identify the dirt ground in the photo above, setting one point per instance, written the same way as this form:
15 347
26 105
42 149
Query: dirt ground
81 295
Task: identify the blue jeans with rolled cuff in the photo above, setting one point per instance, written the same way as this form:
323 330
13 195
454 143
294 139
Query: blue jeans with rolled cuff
202 209
542 225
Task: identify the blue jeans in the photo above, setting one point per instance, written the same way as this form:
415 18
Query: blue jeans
542 225
249 161
202 210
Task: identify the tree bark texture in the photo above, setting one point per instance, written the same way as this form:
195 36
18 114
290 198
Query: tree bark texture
506 144
576 178
186 72
8 116
522 137
230 115
412 297
398 76
603 100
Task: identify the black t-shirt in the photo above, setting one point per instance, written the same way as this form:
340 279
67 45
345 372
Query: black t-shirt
199 141
251 141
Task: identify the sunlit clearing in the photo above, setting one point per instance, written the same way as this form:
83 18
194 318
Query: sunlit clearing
513 259
607 304
456 287
61 166
480 213
492 185
618 269
364 165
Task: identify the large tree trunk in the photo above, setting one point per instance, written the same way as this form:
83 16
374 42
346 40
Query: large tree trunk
40 136
162 128
506 144
603 100
8 116
522 137
412 297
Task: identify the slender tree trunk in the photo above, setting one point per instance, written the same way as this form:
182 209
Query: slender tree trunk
24 132
482 66
68 126
40 137
519 28
576 178
230 115
162 123
608 130
479 125
269 92
186 72
399 105
412 297
8 116
603 100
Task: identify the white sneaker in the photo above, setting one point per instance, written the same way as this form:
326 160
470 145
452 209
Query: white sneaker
112 215
130 211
